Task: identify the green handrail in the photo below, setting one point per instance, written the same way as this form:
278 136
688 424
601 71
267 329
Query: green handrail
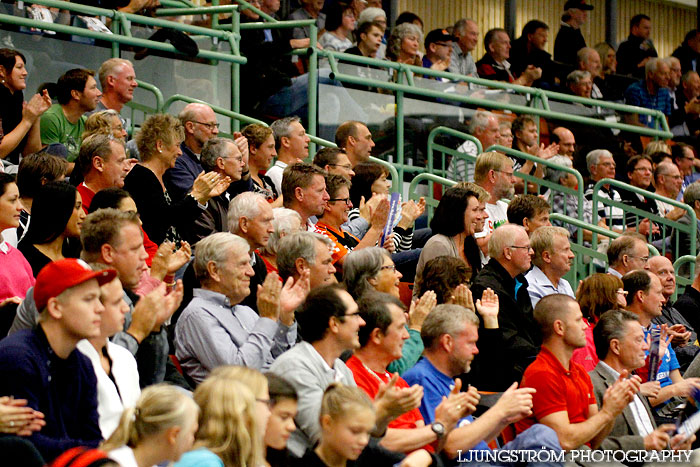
430 202
138 106
681 280
177 3
199 10
669 227
432 146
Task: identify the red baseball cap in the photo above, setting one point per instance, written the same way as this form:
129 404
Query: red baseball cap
63 274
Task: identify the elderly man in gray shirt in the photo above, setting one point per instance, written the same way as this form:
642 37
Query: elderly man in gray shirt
216 330
467 33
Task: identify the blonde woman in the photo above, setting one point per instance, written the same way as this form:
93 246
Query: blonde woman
232 401
105 122
160 428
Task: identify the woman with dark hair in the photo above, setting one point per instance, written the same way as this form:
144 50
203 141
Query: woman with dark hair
459 215
159 147
15 272
597 294
340 23
19 133
54 233
446 276
371 179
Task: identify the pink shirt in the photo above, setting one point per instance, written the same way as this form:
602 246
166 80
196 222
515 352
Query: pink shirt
15 273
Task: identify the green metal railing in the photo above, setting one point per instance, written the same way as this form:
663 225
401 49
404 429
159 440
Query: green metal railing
633 215
445 151
685 275
430 201
141 107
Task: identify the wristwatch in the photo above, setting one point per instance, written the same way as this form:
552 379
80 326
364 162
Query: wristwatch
438 428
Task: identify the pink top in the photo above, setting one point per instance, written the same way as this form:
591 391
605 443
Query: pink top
15 273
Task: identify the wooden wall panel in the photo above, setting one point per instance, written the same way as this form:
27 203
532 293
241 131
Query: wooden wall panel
670 22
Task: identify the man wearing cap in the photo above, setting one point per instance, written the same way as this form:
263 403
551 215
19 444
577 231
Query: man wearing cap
569 38
43 366
438 49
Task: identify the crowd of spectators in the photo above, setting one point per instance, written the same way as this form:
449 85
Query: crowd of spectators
180 296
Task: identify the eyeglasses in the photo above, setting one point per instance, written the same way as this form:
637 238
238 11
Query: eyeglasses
345 200
642 169
211 126
237 159
267 402
608 164
622 292
350 315
390 266
342 166
528 247
643 258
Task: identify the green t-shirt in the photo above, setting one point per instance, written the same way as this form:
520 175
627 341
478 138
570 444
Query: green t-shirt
55 128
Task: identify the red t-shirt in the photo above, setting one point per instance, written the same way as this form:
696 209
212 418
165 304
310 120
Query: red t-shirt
369 381
86 194
558 390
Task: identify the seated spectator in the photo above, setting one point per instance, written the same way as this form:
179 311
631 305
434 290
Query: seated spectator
229 430
601 165
668 182
684 119
162 424
409 17
222 156
691 197
340 23
589 60
355 139
280 425
20 121
610 84
381 342
304 191
371 270
444 360
640 171
645 299
484 127
448 278
621 347
403 44
64 123
505 130
564 203
103 164
199 124
525 139
466 33
35 170
494 64
163 217
284 222
105 122
335 214
460 212
250 217
310 9
57 216
517 336
528 50
114 366
674 80
596 294
580 83
261 148
689 51
683 156
606 53
566 141
651 93
369 39
530 211
627 253
438 50
683 335
493 173
564 398
304 253
292 146
331 322
214 329
334 161
68 294
16 276
634 53
551 262
118 81
689 300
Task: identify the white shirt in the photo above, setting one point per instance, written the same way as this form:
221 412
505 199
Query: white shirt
109 403
275 174
124 456
639 412
497 217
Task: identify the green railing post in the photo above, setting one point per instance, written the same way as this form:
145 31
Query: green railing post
313 87
399 125
235 124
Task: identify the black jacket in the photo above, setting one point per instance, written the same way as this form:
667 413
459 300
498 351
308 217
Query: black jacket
686 55
504 353
631 52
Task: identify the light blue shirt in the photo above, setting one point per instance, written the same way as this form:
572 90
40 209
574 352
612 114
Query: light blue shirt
539 285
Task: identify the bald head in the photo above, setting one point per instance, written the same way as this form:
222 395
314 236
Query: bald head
200 125
663 268
510 246
566 140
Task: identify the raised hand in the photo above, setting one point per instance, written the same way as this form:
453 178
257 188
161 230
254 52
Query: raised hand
269 297
515 403
420 309
207 185
462 296
293 295
487 306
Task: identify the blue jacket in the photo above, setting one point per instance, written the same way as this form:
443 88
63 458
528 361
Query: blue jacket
179 180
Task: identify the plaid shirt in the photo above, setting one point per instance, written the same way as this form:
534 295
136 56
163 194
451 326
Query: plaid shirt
638 94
